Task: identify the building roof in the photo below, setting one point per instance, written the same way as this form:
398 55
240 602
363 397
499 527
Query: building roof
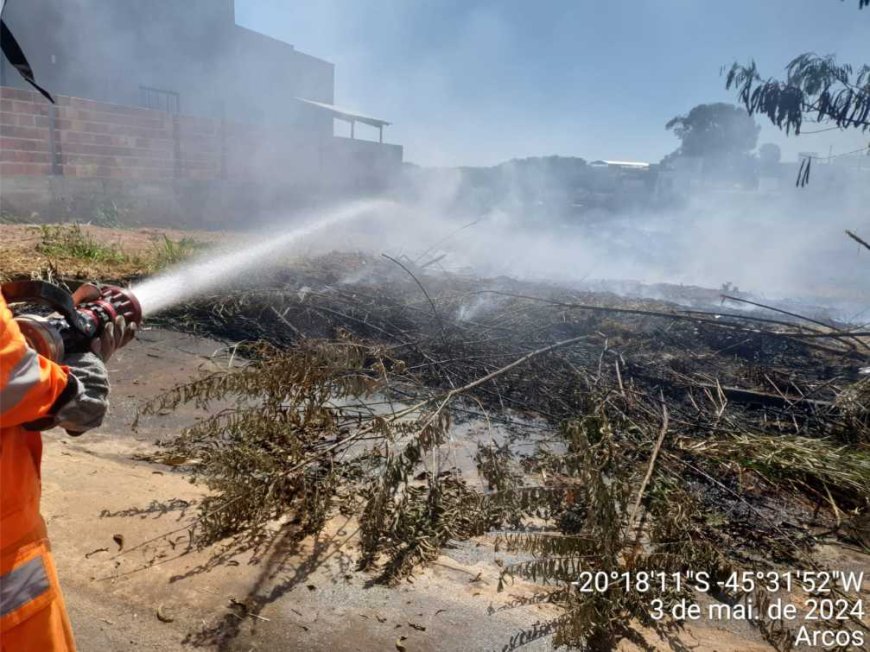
343 114
640 165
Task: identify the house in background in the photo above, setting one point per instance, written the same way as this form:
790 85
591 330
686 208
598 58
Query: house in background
623 184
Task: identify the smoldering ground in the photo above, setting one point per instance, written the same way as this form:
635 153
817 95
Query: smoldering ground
788 245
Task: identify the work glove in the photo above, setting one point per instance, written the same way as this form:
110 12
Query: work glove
83 403
90 398
114 335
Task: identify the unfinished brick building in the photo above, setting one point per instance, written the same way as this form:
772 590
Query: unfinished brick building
169 111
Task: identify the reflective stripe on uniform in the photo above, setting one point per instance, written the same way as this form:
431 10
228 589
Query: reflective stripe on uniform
23 584
23 377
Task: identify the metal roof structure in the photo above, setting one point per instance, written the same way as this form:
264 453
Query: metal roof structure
348 116
639 165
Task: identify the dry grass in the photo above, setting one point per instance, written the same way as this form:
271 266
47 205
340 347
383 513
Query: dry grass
88 252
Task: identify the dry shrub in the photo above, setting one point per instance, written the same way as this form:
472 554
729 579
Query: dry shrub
350 408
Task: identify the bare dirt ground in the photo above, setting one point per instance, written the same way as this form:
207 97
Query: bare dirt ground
161 596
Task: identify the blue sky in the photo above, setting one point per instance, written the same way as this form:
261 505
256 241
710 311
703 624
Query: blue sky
477 82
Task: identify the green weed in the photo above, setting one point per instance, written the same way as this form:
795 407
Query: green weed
70 241
168 252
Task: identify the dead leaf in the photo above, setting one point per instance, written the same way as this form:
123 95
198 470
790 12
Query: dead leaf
163 616
119 539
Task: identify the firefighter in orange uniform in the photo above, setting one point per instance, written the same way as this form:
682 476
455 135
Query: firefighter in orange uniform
37 394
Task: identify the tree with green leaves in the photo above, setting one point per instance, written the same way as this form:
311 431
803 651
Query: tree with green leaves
722 136
715 131
816 88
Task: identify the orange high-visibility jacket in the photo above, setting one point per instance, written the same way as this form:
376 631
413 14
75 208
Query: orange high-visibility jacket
32 613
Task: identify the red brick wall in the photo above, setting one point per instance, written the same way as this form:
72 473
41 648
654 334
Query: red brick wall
84 138
24 134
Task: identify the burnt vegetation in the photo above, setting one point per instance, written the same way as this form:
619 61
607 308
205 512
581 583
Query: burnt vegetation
623 435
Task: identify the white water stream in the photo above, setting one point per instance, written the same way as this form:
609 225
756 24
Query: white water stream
183 283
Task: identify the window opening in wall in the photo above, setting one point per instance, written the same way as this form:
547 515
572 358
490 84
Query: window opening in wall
161 100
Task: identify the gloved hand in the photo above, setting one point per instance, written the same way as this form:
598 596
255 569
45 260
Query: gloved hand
114 335
87 407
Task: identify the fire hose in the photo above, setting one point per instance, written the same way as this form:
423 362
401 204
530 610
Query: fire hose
58 326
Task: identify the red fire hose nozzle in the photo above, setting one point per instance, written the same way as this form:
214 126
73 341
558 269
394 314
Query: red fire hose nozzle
70 328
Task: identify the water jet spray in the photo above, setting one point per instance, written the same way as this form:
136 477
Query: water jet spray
70 327
191 280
